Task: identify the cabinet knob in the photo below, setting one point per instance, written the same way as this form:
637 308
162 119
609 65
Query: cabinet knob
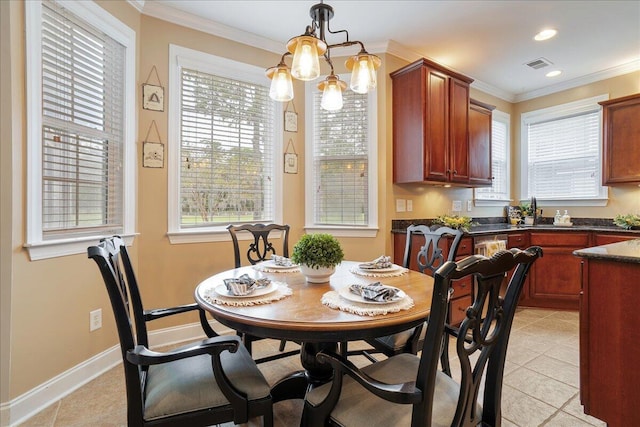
455 172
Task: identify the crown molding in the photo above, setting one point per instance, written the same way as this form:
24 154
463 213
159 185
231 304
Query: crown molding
137 4
619 70
409 55
188 20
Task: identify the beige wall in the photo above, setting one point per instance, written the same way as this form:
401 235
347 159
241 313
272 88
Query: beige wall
47 302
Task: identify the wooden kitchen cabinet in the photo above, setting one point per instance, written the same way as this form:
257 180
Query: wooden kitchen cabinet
621 140
430 124
554 279
606 238
480 143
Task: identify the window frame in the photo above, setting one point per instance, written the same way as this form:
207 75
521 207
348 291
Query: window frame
180 57
505 118
97 17
553 113
371 229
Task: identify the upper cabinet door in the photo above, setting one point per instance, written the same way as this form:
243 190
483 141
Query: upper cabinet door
430 124
621 139
480 143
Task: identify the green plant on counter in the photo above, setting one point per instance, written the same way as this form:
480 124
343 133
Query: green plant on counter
318 250
454 221
526 209
627 221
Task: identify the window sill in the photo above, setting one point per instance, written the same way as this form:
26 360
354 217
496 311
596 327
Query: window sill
491 202
368 232
214 234
59 248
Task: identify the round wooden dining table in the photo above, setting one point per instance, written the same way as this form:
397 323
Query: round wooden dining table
303 318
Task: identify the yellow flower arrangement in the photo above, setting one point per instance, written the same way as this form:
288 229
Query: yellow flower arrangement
627 221
454 221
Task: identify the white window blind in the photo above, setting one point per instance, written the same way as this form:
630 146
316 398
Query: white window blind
227 135
499 189
564 157
341 162
82 127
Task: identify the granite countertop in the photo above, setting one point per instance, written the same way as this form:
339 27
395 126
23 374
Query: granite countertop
627 251
491 227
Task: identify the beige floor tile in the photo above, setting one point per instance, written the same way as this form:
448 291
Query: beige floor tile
565 353
576 409
562 419
556 369
543 388
524 410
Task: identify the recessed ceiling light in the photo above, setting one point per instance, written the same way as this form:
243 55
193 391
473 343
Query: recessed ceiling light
545 34
554 73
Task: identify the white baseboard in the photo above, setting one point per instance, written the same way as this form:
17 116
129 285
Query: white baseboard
35 400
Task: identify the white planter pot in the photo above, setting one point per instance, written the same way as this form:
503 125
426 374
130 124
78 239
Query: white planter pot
317 275
528 220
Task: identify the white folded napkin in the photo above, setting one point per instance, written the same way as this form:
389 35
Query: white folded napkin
375 291
382 261
281 261
244 285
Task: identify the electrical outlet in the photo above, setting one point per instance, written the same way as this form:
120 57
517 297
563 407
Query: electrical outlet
409 205
401 205
95 320
456 206
469 205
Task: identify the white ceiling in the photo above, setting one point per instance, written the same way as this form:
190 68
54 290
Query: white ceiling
489 41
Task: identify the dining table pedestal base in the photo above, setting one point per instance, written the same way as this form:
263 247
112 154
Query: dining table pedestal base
296 385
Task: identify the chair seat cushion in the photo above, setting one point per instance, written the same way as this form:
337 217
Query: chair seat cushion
189 385
356 404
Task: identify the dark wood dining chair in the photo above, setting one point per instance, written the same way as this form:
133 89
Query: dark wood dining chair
410 390
429 257
260 248
199 384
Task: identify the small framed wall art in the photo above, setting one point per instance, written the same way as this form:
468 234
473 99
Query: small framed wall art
153 95
290 119
153 155
152 152
290 159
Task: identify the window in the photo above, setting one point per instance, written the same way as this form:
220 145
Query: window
81 155
225 131
498 193
561 153
341 184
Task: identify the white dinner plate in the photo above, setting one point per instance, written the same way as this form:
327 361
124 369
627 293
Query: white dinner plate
222 291
348 295
394 267
271 264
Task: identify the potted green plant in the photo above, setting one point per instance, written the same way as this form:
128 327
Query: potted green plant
527 212
317 254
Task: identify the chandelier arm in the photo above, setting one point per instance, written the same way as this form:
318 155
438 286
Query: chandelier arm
346 44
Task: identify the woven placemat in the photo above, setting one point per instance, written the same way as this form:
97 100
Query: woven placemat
399 271
282 291
333 300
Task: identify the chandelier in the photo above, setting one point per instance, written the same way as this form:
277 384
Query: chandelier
305 65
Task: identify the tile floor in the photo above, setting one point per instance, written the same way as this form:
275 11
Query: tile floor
541 382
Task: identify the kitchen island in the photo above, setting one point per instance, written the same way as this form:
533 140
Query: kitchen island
610 332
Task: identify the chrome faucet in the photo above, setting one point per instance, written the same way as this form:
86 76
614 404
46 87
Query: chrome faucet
534 209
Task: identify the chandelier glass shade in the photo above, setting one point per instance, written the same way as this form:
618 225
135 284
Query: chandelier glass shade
306 50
